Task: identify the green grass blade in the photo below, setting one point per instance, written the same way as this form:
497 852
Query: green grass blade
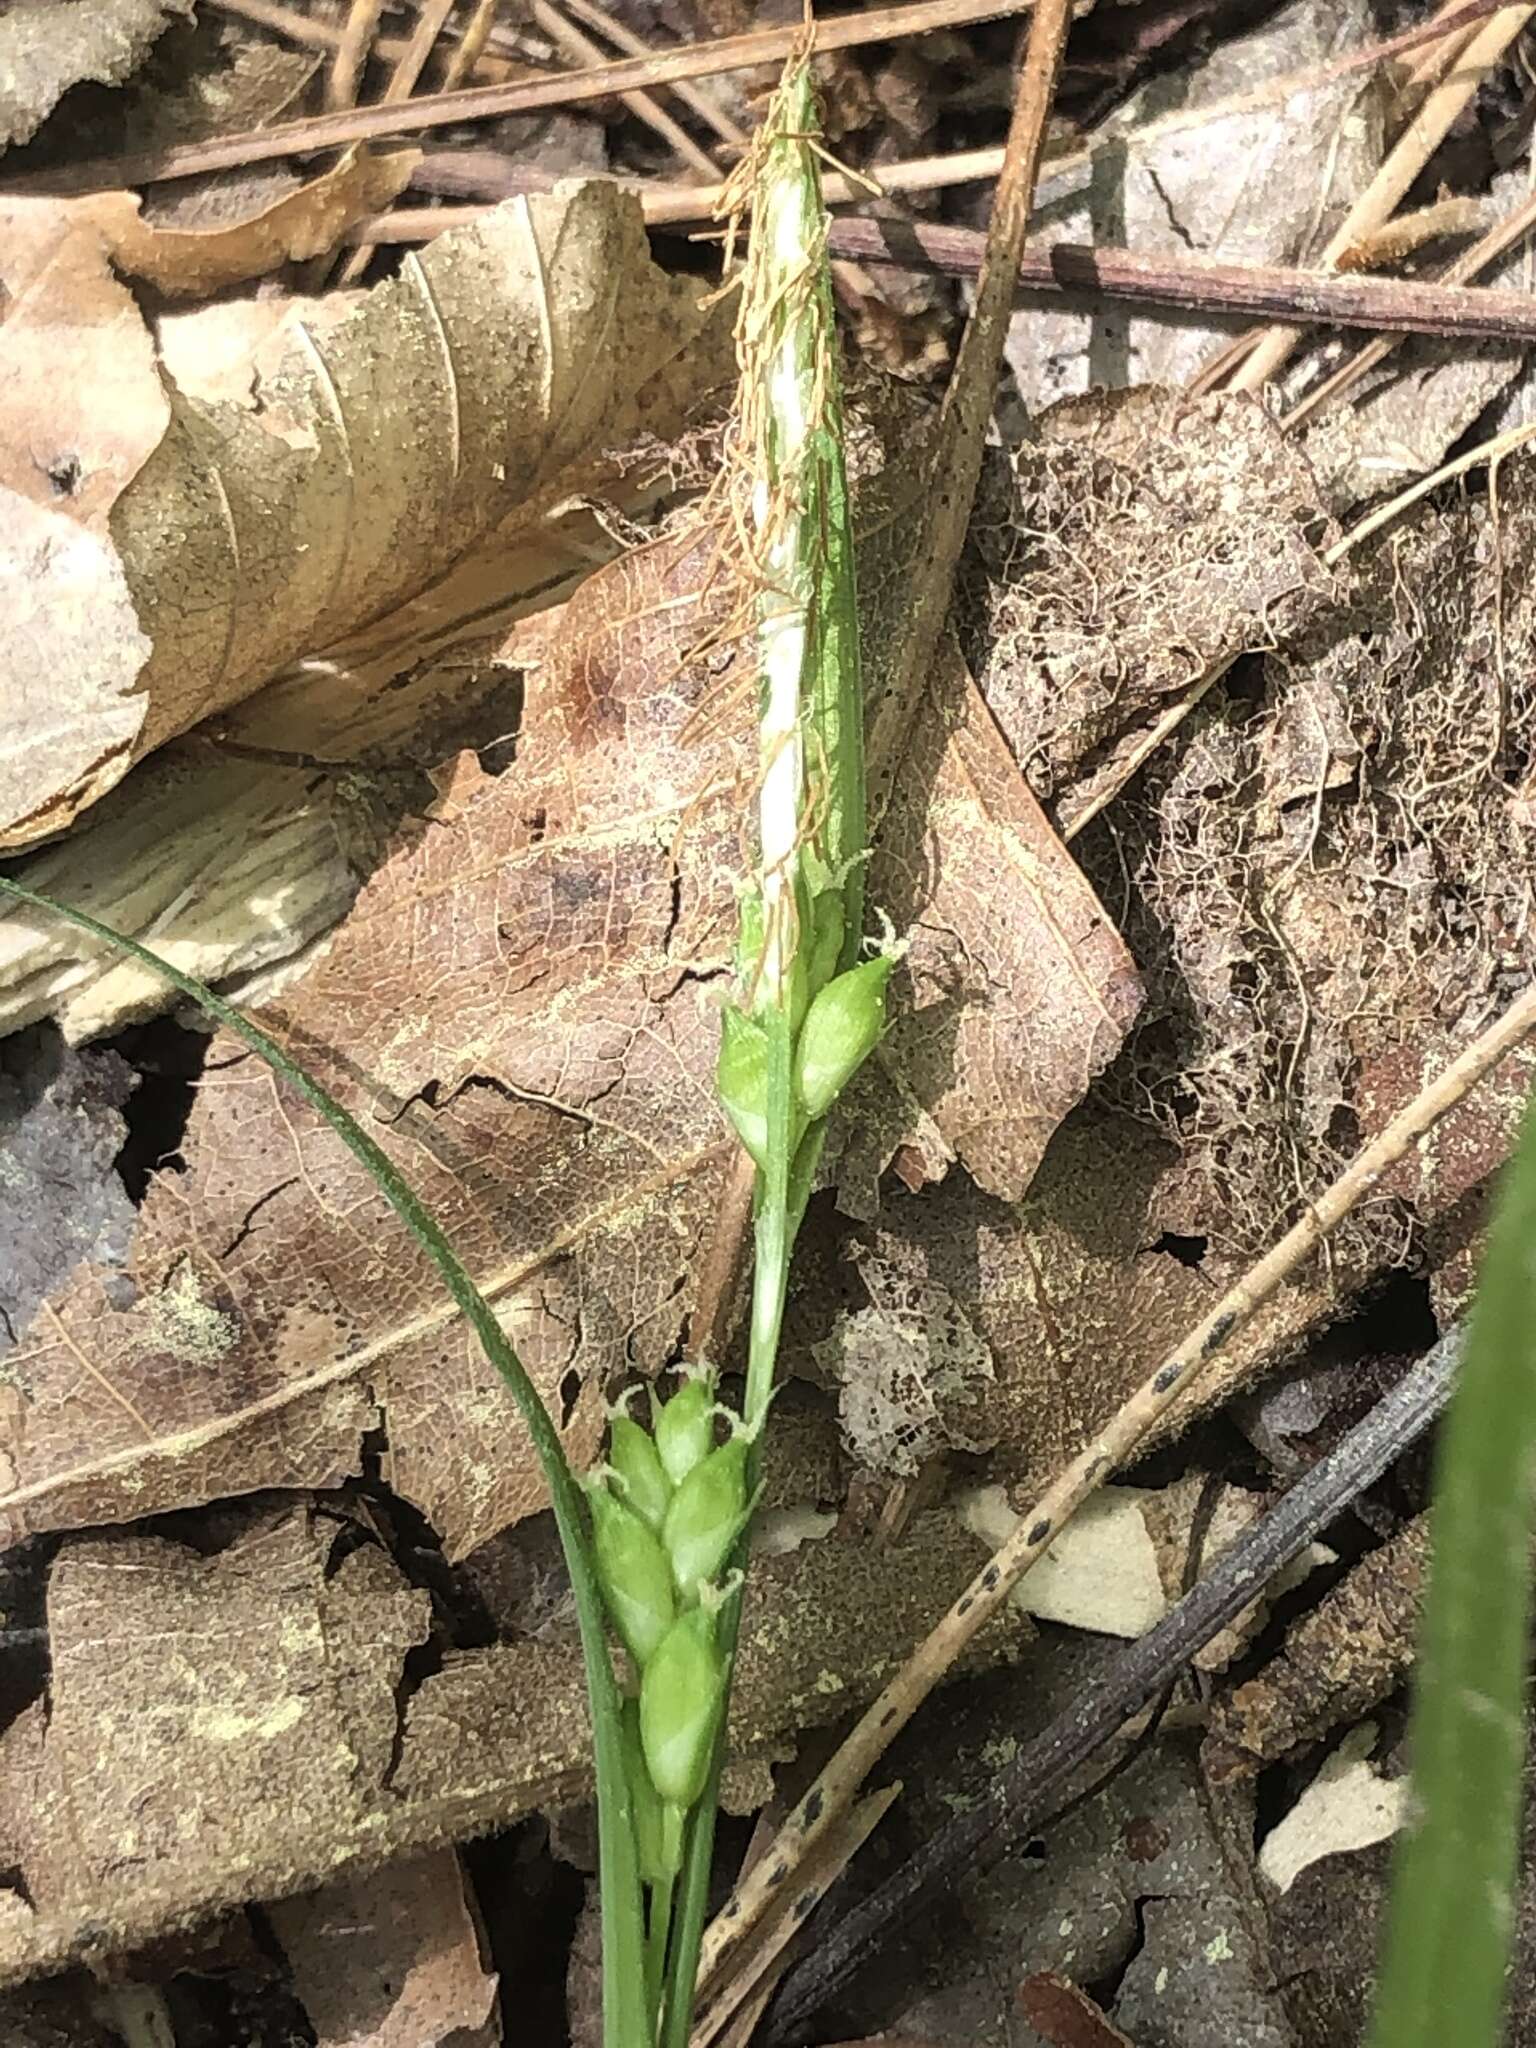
1451 1918
624 1997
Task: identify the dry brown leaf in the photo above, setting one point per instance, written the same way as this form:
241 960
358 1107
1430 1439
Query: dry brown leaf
392 1958
519 1004
1021 989
232 244
245 1699
362 462
45 49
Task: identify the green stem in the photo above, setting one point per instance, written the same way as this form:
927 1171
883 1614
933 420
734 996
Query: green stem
624 2004
656 1937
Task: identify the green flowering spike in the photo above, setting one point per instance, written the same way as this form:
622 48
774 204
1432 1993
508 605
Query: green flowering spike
741 1077
705 1517
680 1699
685 1429
634 1573
646 1487
656 1843
841 1029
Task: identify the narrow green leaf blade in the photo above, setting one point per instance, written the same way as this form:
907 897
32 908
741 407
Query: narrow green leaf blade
1451 1919
624 1996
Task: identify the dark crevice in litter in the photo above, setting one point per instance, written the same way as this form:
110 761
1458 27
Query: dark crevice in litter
169 1058
1189 1251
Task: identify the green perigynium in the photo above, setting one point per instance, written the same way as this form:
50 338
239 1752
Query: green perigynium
634 1572
705 1518
685 1428
667 1509
681 1695
644 1483
842 1028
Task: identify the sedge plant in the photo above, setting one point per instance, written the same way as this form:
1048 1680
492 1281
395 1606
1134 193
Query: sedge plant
655 1538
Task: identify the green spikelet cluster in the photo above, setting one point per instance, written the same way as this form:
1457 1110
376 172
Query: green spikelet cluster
666 1510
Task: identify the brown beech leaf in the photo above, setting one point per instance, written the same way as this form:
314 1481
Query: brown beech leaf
368 447
520 1005
392 1958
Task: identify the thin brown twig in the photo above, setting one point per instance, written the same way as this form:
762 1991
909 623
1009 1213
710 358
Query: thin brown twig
576 43
1448 35
519 96
1492 452
1487 249
602 22
353 43
763 1962
837 1784
925 173
1070 270
312 34
399 86
464 57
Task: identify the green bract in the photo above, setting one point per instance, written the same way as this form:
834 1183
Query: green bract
841 1029
632 1454
826 937
634 1573
705 1517
741 1077
680 1699
685 1429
